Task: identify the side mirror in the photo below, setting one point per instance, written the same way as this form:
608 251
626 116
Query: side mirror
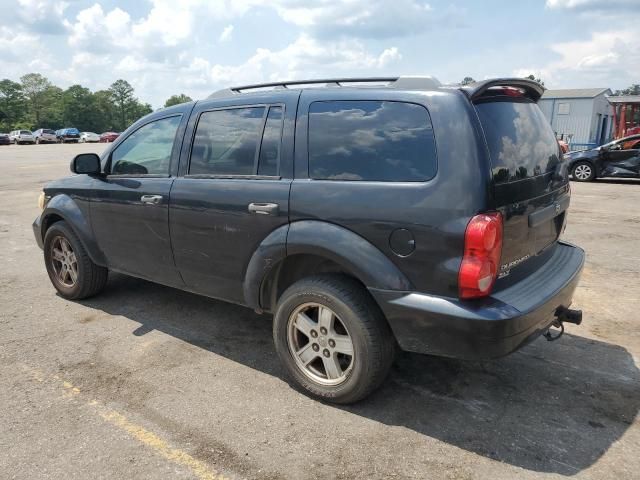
86 163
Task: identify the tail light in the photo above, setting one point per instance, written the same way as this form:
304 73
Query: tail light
482 250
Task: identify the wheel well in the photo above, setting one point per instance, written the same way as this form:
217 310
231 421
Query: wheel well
50 220
290 270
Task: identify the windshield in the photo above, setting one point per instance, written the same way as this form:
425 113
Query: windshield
520 140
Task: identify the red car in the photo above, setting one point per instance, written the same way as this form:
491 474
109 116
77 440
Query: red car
108 137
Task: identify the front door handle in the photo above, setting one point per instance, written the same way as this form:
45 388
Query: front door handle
151 199
264 208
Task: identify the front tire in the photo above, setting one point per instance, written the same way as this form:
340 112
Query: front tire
332 338
583 172
70 269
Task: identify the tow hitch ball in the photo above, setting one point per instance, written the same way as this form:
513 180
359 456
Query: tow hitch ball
563 314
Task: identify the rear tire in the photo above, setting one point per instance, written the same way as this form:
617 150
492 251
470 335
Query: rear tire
70 269
354 324
583 172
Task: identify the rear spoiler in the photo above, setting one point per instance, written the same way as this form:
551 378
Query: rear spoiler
532 89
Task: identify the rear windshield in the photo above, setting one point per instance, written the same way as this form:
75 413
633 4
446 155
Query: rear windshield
48 131
520 139
72 130
25 132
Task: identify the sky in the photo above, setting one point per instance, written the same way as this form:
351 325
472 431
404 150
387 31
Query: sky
165 47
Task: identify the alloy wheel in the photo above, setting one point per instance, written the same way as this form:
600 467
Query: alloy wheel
64 262
320 344
582 172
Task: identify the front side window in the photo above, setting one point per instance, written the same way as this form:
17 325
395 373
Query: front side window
226 142
371 140
147 151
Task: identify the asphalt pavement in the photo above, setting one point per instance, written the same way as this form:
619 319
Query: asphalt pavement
144 381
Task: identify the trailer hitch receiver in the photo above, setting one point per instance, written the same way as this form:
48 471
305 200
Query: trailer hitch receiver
563 314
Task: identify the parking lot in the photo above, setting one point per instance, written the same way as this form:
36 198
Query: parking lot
145 381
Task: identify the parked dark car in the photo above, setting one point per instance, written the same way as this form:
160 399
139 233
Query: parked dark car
4 139
108 137
45 135
66 135
399 213
620 158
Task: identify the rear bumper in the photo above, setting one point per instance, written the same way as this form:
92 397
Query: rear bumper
487 328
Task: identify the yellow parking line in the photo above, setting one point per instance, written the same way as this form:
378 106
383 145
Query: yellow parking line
160 446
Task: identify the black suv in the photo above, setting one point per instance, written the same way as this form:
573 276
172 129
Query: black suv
364 214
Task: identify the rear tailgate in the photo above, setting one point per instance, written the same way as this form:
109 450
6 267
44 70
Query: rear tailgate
530 182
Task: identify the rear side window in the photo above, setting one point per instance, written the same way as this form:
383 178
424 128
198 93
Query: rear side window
520 140
226 142
371 140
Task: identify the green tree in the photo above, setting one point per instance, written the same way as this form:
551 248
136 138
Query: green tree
34 87
632 90
467 81
141 109
123 99
52 112
535 79
177 99
105 111
79 108
11 104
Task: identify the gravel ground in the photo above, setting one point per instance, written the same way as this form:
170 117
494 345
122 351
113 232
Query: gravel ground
145 381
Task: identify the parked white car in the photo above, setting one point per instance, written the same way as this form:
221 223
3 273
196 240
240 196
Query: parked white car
21 136
45 135
89 137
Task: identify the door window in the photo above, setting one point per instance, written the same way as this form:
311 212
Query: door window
147 151
226 142
271 139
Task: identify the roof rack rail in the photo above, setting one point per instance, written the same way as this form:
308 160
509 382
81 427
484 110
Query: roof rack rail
417 83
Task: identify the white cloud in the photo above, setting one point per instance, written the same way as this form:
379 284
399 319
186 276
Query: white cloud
38 16
593 62
595 5
305 57
367 18
226 34
95 30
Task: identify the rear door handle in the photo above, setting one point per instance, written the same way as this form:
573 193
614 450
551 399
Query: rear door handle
151 199
264 208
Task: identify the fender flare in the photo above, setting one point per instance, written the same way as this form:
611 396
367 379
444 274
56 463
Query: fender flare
333 242
65 207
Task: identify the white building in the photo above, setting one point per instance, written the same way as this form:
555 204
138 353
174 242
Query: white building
582 117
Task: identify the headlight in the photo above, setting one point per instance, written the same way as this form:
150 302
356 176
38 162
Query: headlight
42 201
